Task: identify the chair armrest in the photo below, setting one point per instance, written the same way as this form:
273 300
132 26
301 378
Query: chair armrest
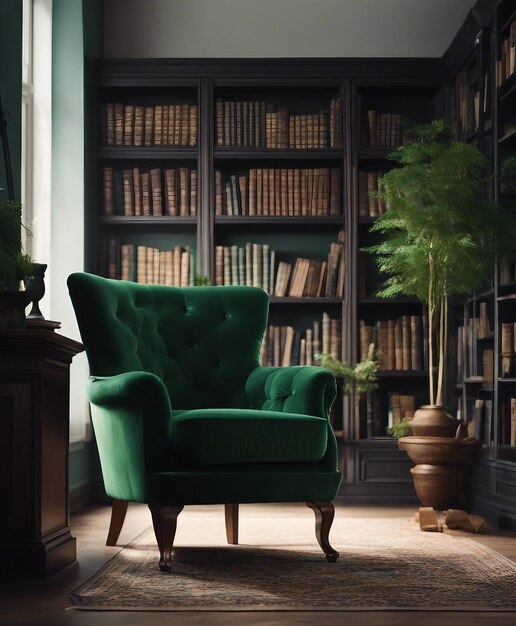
128 388
299 389
132 419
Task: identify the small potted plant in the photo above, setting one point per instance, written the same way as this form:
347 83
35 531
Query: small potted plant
14 267
440 239
358 379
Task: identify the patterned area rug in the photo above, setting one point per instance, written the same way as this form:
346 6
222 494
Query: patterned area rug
384 564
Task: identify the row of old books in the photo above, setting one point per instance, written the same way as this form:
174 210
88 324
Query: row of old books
507 272
399 406
246 123
468 334
369 204
372 418
134 191
383 129
148 265
477 414
275 191
284 346
466 101
506 65
508 349
401 343
255 264
138 125
508 422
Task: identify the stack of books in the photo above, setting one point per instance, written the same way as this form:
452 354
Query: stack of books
135 191
401 343
255 265
284 346
249 123
148 265
138 125
275 191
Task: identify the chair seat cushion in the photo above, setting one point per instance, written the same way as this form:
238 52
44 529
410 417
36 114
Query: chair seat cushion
204 437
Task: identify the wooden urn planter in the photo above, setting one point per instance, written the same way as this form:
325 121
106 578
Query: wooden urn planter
442 464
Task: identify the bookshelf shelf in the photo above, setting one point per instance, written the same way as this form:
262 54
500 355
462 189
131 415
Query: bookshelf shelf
509 381
507 453
508 297
291 220
488 339
366 221
372 301
321 301
507 23
473 380
481 296
368 152
135 153
141 220
402 374
507 89
508 139
293 154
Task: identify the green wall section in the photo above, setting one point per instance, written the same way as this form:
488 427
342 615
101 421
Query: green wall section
10 87
76 35
93 17
67 182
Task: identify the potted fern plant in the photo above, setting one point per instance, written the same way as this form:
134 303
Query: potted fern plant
356 379
440 239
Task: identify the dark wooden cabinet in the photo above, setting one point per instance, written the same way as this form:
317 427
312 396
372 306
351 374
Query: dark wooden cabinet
35 539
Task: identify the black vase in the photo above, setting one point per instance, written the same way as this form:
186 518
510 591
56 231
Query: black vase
35 287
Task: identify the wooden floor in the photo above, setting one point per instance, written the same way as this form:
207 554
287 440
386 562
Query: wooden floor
45 603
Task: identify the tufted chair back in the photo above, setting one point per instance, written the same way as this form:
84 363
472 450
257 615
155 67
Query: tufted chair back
203 342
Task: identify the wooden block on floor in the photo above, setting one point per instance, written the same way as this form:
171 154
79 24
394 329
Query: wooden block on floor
429 519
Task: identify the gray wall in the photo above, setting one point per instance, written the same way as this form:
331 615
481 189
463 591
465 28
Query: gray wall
281 28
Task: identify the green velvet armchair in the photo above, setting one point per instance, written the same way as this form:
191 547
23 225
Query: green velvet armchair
183 413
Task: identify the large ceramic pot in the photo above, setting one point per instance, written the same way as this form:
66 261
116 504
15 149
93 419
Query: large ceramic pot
441 467
441 450
433 421
439 486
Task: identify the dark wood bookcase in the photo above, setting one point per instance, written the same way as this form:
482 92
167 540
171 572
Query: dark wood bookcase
482 386
401 92
232 149
470 385
505 304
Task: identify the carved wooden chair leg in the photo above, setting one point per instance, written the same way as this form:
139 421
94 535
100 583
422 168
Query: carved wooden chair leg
118 511
164 520
231 513
324 514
